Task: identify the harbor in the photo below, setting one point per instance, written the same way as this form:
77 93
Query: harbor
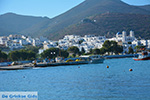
17 67
58 62
69 61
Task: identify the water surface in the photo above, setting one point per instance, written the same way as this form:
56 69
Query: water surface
83 82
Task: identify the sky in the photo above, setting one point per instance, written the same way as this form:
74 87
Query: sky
49 8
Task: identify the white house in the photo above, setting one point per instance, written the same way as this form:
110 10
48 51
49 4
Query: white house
3 39
36 42
47 45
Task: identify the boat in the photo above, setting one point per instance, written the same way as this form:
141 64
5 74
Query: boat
94 59
143 56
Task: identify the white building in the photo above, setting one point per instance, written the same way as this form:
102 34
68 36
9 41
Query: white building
13 44
36 42
29 39
126 41
47 45
14 37
122 37
23 42
3 39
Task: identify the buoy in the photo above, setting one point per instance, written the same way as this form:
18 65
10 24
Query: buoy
130 70
107 66
79 67
23 76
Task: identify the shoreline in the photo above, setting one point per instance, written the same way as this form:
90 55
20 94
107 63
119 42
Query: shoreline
30 65
120 56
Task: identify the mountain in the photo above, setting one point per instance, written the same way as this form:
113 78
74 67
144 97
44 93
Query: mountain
86 9
146 7
109 24
58 26
12 23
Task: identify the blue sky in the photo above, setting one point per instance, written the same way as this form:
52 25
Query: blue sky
49 8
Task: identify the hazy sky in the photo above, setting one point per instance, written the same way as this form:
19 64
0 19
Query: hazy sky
49 8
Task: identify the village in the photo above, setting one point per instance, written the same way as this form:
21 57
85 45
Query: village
15 42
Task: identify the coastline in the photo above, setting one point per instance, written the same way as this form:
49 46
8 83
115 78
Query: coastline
120 56
30 65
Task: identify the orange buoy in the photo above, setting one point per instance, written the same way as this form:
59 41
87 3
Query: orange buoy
107 66
130 70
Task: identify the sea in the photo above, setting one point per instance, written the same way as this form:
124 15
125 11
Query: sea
110 80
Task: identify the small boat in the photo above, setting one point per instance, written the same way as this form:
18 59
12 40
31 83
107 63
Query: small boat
143 56
94 59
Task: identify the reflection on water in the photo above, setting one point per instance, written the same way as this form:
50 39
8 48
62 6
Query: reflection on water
83 82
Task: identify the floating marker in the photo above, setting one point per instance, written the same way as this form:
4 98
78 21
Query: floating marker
130 70
107 66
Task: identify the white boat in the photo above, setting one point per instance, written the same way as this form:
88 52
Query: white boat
94 59
143 56
97 59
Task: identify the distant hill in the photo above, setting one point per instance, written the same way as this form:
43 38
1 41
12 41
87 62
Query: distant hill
109 24
56 27
12 23
86 9
146 7
90 8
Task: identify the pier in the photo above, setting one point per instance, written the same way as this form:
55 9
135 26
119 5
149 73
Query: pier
30 65
17 67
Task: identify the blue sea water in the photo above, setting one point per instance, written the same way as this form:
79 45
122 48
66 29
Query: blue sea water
83 82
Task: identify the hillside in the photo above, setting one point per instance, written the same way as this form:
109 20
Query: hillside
89 8
56 27
109 24
80 12
12 23
146 7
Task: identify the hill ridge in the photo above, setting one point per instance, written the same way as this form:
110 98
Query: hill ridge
54 28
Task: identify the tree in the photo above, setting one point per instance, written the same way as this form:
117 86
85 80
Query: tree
107 46
91 51
54 52
74 55
130 50
139 48
111 46
64 53
82 51
96 51
50 53
102 50
31 55
32 48
116 48
22 55
14 55
74 50
3 56
119 49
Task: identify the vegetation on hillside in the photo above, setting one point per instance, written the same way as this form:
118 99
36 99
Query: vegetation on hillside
3 56
54 52
54 28
11 23
110 23
20 55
